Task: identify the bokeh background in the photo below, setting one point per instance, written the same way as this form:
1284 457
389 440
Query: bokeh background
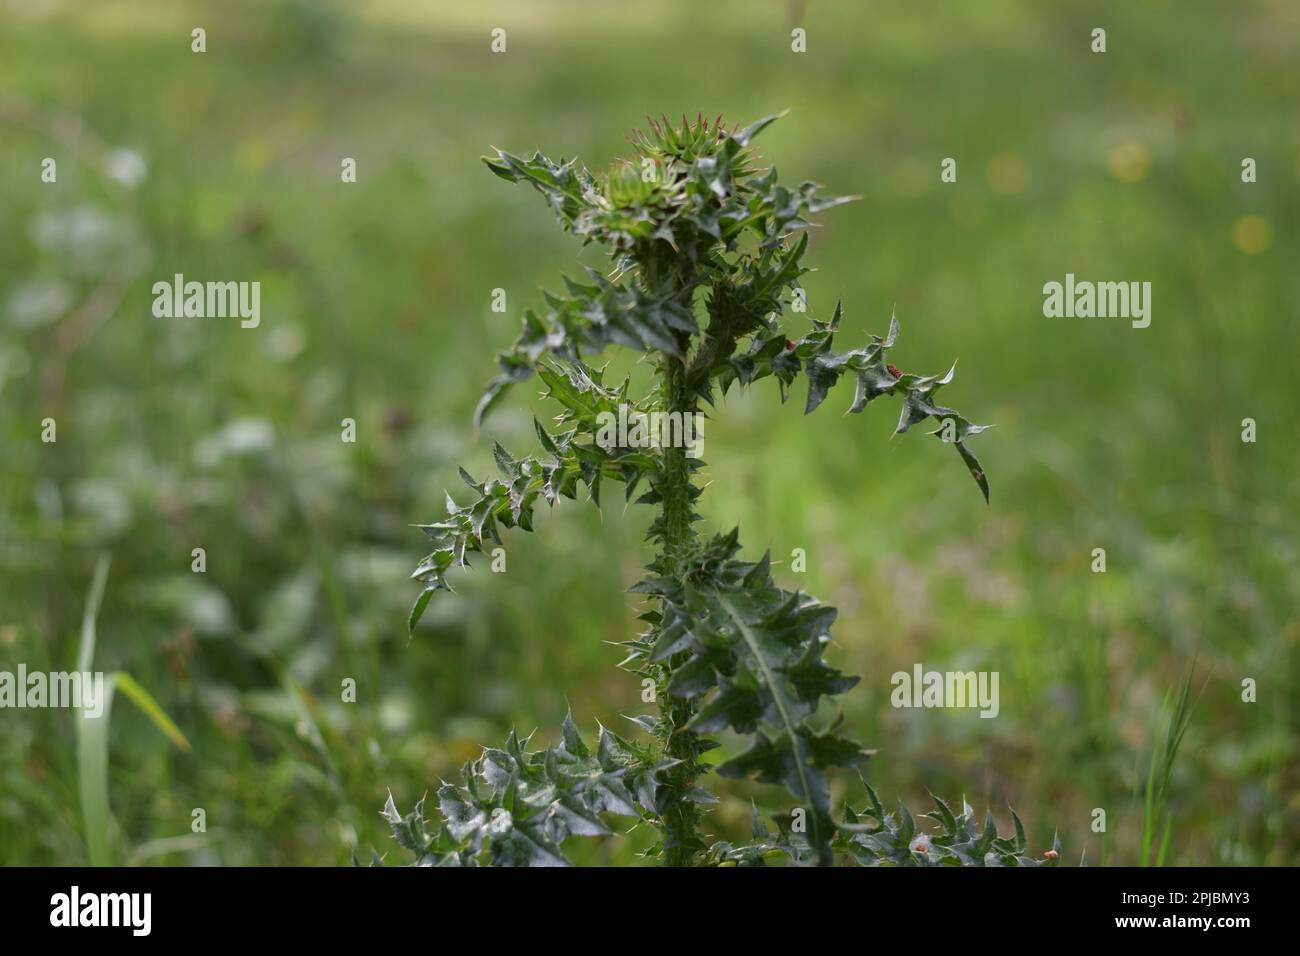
376 306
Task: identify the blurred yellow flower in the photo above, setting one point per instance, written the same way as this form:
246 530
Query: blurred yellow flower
911 179
1008 173
1252 234
967 209
252 156
1129 162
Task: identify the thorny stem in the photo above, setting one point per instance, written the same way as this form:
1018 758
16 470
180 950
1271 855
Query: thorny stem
679 816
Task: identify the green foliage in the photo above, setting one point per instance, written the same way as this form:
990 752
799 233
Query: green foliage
509 501
894 839
516 807
690 212
727 629
705 220
692 221
1175 715
92 732
307 536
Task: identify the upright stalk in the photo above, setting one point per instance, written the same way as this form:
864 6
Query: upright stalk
707 223
679 815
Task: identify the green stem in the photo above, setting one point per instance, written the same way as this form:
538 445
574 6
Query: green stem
679 816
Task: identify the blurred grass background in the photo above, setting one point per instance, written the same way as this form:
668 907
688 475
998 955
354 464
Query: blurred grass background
174 435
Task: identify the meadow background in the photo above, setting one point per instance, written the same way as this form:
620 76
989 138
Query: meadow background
376 306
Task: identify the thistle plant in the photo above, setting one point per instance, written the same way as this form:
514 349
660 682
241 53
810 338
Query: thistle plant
706 251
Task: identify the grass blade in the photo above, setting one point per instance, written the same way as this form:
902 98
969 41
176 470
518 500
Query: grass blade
1156 818
92 773
86 649
92 735
149 707
92 732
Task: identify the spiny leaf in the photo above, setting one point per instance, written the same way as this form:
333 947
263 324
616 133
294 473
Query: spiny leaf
771 353
516 807
873 837
759 649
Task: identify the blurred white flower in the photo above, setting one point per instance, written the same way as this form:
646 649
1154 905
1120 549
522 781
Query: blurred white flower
14 363
125 166
240 437
38 302
286 341
104 504
91 241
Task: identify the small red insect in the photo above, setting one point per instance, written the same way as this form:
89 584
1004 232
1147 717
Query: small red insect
789 344
1051 854
893 370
